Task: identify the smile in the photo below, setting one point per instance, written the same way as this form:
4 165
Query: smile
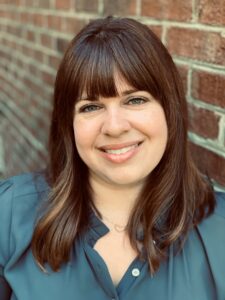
120 154
122 150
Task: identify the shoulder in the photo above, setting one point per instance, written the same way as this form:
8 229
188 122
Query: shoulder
22 191
20 197
212 233
22 184
220 204
214 225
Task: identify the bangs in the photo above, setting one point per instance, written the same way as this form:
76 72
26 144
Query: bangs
95 76
99 62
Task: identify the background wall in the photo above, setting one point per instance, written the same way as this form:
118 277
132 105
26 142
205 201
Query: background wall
35 33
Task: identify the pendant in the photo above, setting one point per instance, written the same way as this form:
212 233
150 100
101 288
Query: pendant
119 228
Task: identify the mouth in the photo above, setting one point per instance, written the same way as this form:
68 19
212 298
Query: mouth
120 149
120 153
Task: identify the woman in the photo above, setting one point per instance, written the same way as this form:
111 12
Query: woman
122 212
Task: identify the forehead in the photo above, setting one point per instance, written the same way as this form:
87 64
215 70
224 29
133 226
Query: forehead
121 83
122 87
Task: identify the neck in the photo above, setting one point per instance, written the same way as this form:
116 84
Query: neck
114 202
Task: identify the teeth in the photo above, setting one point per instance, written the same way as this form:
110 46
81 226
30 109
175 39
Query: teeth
121 151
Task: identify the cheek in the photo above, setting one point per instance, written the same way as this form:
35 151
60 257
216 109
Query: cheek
160 128
84 133
154 124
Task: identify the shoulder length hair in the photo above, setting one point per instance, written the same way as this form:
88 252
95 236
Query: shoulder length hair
176 196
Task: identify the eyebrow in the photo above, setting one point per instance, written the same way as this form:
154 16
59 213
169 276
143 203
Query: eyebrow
124 93
128 92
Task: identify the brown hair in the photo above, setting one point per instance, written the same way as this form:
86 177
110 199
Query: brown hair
176 196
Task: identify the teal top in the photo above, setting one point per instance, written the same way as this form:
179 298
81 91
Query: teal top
197 272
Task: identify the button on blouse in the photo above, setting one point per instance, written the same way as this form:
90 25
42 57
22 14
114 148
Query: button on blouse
135 272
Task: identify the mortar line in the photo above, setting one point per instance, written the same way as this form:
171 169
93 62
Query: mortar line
24 132
207 144
85 15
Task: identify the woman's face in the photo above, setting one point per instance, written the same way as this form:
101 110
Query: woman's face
120 139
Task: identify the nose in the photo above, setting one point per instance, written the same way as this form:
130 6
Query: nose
115 122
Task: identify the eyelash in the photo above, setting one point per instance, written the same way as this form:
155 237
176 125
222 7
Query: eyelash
143 100
85 108
82 109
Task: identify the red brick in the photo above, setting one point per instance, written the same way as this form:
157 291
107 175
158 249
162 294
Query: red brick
53 61
20 63
45 107
38 56
33 69
14 15
2 27
86 5
4 56
62 4
43 123
54 22
72 25
27 51
212 12
10 44
9 15
61 44
209 87
25 17
203 122
209 163
14 2
183 71
167 9
119 7
38 20
197 44
157 30
30 35
3 14
44 3
48 78
22 148
32 86
28 2
46 40
14 30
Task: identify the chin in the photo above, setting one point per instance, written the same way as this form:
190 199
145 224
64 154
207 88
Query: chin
126 180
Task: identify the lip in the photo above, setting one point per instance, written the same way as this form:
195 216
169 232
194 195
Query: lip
123 157
119 146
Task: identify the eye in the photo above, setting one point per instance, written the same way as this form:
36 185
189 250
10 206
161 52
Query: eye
136 101
89 108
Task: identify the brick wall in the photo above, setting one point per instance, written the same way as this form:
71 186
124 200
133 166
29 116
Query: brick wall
34 34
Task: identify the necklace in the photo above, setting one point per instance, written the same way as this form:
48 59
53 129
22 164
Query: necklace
117 227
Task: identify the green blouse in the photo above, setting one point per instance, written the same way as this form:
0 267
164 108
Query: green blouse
197 272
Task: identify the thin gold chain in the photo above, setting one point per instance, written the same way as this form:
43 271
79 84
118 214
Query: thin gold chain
117 227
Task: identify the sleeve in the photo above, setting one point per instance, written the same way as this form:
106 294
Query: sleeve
6 195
